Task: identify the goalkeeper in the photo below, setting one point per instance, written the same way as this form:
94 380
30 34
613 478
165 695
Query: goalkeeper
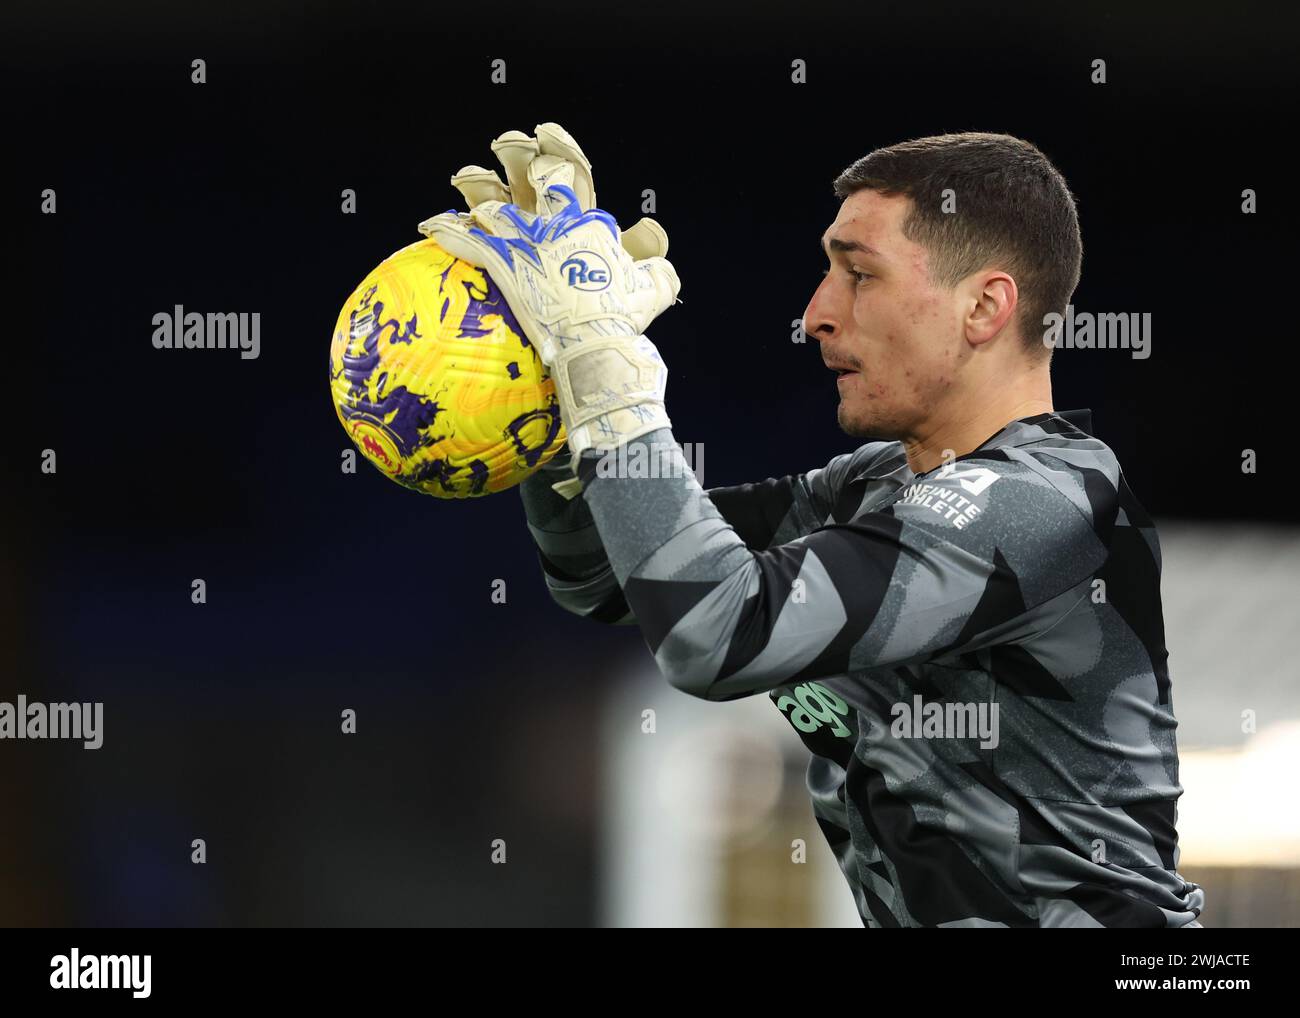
980 549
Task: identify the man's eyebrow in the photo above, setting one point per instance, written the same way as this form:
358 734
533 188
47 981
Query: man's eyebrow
846 246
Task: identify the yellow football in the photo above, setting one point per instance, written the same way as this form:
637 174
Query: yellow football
435 381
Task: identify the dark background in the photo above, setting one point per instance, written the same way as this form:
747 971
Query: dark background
326 590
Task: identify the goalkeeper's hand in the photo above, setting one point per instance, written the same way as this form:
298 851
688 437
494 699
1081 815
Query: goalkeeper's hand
531 165
583 301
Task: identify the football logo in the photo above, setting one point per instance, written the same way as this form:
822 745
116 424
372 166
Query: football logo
377 447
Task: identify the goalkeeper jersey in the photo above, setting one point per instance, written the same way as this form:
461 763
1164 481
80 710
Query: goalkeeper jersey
974 658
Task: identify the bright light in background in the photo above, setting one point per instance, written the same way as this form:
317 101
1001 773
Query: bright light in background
721 780
1239 807
1230 622
711 778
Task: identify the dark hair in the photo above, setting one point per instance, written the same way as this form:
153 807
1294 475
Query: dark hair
1014 211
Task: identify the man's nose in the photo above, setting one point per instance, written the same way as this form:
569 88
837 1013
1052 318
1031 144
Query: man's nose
817 320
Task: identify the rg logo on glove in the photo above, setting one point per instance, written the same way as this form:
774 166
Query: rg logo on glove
580 275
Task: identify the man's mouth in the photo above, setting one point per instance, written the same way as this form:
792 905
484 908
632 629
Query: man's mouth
842 372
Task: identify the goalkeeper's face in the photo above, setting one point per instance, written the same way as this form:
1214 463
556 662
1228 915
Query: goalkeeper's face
895 339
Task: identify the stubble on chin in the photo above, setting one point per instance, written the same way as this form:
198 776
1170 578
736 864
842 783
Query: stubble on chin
852 424
860 423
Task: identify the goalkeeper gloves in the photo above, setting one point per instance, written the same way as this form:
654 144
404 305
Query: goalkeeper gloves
584 302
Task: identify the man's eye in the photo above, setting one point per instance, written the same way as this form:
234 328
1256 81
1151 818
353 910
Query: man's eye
858 277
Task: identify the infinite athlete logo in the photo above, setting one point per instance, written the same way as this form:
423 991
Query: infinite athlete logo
586 271
974 479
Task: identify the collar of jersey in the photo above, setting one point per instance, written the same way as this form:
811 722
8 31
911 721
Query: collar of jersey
1017 433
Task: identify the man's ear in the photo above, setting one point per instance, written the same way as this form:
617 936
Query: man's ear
995 298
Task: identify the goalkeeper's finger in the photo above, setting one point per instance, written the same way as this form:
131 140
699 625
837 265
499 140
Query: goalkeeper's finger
657 291
646 239
426 227
554 140
516 151
503 219
478 185
452 234
542 173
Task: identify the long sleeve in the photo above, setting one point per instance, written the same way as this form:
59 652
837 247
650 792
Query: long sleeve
573 561
980 555
576 567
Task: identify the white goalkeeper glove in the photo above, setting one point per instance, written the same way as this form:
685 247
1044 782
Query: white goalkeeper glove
531 164
583 301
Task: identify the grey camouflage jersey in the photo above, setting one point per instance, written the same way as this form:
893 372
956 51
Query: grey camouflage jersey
1021 580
